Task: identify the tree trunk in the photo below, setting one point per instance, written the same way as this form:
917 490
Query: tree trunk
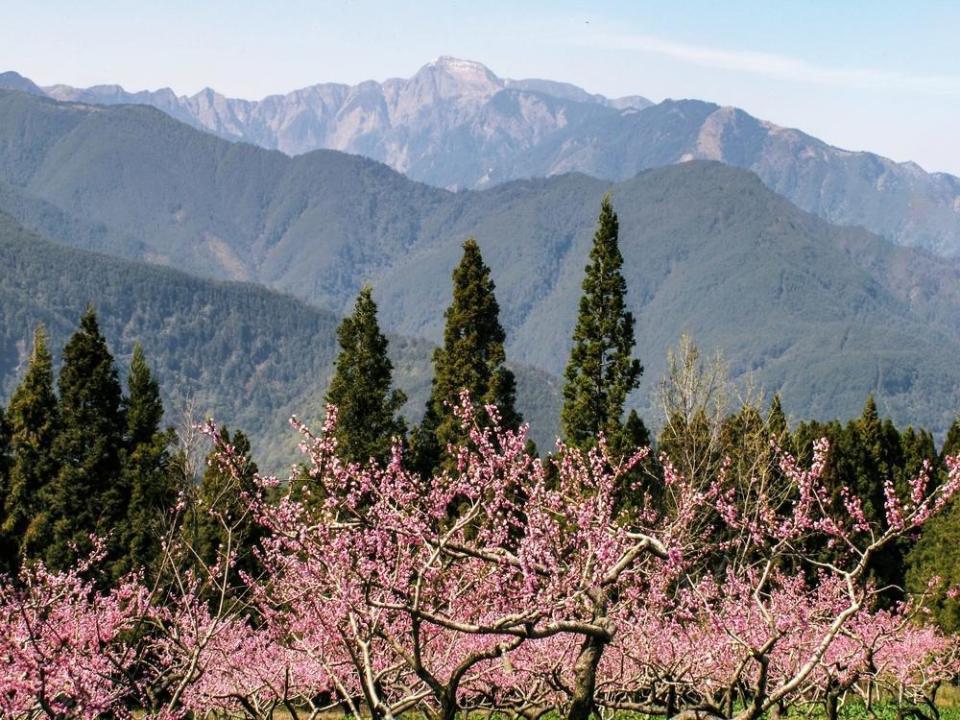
585 678
448 705
832 706
671 701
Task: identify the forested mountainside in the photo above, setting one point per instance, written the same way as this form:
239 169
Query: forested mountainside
245 355
821 313
456 124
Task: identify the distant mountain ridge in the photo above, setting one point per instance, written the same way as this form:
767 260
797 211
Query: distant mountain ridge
400 121
455 124
821 313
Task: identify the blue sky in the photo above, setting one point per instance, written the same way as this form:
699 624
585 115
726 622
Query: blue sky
881 76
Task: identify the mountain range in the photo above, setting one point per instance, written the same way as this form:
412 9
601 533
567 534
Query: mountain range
455 124
820 313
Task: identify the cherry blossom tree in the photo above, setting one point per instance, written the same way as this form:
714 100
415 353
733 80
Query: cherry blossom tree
779 603
504 583
419 588
63 644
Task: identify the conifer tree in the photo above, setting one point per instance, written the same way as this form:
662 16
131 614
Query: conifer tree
775 427
951 444
601 372
221 516
865 454
472 358
33 419
916 446
777 419
147 473
87 496
367 406
871 450
935 553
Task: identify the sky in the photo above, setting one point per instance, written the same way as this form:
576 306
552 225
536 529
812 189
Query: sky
880 76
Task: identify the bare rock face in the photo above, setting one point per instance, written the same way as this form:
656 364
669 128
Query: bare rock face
457 125
453 124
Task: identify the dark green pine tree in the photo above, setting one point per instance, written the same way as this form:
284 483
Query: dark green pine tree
220 519
147 472
601 372
472 357
361 389
88 495
951 444
935 553
916 446
871 456
864 455
875 452
777 420
33 419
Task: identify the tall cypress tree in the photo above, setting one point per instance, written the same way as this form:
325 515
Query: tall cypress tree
951 444
87 495
33 419
601 372
864 454
777 419
870 456
472 357
147 475
221 516
361 387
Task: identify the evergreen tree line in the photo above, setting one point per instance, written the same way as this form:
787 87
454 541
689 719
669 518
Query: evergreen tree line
600 373
80 458
83 458
86 458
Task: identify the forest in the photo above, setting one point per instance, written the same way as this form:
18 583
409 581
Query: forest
730 564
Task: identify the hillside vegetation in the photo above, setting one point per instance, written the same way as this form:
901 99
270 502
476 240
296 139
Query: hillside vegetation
822 314
240 353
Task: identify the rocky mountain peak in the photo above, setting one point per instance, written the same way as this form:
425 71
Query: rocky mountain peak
463 77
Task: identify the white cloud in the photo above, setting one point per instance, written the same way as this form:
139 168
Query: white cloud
772 65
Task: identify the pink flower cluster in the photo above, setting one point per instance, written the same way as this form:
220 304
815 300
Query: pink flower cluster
510 583
63 644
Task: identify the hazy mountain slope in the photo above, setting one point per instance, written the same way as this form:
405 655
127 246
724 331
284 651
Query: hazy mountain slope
823 313
456 124
896 200
188 199
245 355
15 81
50 220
